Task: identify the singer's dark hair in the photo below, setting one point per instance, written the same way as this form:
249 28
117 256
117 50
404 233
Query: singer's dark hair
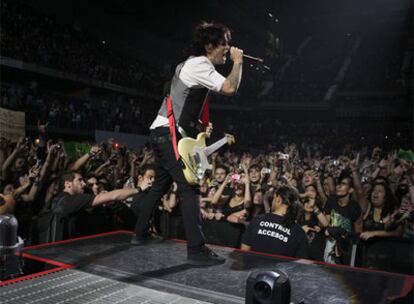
291 199
206 33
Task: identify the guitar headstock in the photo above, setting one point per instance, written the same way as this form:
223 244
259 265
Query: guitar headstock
230 139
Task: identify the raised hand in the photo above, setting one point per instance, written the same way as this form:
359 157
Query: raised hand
236 55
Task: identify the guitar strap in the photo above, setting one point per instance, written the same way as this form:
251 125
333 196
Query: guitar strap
171 120
205 112
204 117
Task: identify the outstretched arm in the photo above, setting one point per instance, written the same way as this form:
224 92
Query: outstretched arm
115 195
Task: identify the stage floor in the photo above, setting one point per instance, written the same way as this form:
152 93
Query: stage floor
162 268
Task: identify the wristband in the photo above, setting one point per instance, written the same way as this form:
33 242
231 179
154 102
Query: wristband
317 211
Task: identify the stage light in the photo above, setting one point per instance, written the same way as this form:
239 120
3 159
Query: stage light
268 287
270 15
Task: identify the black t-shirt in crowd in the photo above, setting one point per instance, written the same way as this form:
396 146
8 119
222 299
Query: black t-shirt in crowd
343 217
266 233
67 205
68 208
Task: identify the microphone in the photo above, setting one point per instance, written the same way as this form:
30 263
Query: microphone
253 58
257 59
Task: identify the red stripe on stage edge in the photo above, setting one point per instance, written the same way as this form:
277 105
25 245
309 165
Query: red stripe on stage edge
78 238
406 276
47 261
408 285
31 276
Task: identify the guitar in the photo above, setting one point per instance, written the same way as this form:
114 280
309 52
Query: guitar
194 155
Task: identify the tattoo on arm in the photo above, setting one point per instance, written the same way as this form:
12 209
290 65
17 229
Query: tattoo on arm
235 75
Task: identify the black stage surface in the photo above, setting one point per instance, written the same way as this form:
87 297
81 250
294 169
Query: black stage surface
163 267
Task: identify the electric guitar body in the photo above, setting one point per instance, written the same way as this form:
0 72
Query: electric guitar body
194 153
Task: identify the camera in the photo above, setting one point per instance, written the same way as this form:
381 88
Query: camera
268 287
283 156
236 177
267 170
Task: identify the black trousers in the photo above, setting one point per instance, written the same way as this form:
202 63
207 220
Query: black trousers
168 169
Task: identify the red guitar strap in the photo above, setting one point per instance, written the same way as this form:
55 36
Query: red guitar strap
171 119
205 115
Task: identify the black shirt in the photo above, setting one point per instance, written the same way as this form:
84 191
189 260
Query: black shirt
343 217
67 208
67 205
266 233
227 210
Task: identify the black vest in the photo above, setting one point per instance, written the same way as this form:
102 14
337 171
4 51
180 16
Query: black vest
187 104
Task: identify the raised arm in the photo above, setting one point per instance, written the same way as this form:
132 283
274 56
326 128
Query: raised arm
82 160
362 200
232 82
219 192
11 158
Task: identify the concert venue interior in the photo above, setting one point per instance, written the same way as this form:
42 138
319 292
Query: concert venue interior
321 105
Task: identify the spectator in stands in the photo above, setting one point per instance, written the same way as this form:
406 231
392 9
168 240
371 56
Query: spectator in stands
92 185
312 219
377 218
277 232
236 210
221 199
344 216
255 177
14 165
146 177
72 199
328 185
404 215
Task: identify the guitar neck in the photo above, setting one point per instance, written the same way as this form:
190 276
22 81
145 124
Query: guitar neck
217 145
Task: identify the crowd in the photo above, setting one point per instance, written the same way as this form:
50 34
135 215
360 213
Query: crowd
134 115
130 115
369 193
340 185
39 39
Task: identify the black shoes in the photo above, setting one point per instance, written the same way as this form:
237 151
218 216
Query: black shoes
144 240
204 257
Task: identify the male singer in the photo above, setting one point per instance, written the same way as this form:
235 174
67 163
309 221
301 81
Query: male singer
179 116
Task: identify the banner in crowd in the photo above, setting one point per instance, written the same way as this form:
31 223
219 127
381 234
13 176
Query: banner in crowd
12 124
